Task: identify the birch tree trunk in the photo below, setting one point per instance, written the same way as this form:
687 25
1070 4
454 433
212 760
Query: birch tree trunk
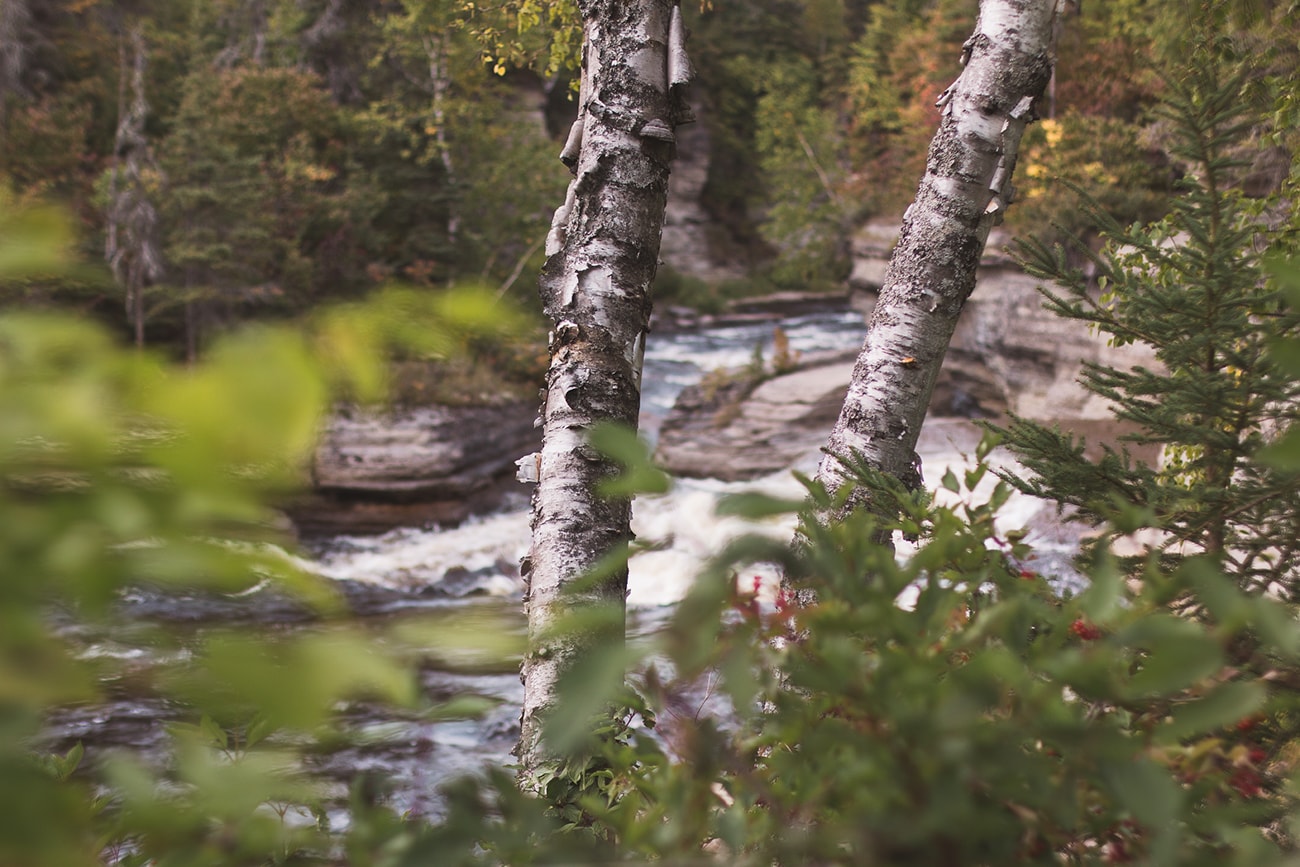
15 17
131 245
602 253
964 193
436 49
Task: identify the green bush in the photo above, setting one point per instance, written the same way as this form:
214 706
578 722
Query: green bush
954 708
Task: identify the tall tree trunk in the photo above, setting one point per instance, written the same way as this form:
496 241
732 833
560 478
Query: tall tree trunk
15 18
602 254
964 193
132 247
436 48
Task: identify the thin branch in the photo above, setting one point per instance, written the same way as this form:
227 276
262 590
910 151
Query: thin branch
519 267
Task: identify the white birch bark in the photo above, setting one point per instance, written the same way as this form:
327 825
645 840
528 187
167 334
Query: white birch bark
436 50
132 246
964 193
602 254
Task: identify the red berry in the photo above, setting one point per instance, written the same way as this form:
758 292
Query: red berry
1085 630
1246 782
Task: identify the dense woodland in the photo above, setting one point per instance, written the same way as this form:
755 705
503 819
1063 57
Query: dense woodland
236 160
231 167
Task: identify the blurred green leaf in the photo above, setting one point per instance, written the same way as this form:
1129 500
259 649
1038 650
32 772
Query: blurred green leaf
36 240
1146 790
1225 705
1104 597
639 475
756 506
1178 653
1283 453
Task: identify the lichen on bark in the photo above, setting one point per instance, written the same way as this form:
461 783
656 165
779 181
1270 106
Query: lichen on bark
602 254
964 193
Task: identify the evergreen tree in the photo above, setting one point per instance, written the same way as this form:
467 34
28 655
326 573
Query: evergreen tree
1193 286
220 229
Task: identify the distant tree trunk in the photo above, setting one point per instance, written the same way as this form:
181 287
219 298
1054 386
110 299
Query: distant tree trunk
436 49
247 25
191 319
132 246
602 255
964 193
327 43
15 17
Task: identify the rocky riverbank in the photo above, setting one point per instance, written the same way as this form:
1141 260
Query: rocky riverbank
440 465
1009 353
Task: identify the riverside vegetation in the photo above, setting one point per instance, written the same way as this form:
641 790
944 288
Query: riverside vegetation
989 720
289 152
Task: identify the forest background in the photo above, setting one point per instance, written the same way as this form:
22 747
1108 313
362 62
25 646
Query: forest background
253 160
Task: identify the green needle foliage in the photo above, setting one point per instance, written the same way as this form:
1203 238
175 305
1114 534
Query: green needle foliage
1194 287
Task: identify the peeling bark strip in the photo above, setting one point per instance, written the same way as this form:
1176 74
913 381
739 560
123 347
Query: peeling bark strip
603 250
964 193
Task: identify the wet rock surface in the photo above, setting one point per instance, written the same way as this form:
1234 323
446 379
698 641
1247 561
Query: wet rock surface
415 467
1009 353
746 428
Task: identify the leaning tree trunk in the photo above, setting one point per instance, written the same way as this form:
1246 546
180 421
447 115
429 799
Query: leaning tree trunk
602 253
964 193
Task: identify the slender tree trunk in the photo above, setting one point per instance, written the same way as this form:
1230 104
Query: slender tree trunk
15 16
964 193
246 25
132 247
436 49
602 254
191 320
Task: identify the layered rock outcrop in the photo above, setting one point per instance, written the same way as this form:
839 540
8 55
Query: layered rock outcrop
410 467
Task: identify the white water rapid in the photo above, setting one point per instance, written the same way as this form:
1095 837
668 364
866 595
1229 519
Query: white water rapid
680 526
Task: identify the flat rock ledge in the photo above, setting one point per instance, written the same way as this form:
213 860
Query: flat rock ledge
749 427
412 467
1009 353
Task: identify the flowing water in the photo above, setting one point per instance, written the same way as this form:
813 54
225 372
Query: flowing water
470 571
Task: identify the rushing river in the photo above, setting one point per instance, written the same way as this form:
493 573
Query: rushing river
469 571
